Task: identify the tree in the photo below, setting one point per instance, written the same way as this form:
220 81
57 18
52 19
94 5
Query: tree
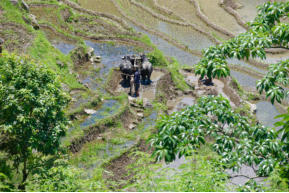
237 140
32 115
59 178
266 31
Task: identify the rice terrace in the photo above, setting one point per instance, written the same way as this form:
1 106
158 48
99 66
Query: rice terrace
144 95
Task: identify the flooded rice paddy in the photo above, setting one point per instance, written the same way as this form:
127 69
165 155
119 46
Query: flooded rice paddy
108 108
65 48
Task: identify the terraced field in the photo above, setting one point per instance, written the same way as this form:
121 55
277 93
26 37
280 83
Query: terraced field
107 138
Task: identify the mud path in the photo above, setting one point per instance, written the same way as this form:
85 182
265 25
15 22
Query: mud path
147 92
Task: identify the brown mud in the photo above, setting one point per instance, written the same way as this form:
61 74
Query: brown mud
16 37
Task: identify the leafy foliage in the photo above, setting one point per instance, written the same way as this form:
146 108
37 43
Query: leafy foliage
236 139
31 110
250 186
5 184
157 58
60 177
199 173
268 30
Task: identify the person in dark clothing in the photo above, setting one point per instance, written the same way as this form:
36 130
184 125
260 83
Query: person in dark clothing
136 82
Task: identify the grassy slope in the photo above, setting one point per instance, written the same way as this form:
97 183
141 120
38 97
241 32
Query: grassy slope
41 50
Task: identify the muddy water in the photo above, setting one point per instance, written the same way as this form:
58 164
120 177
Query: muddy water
111 55
275 58
187 11
263 116
65 48
150 120
103 6
249 9
149 91
108 108
246 81
193 40
185 35
244 64
170 50
217 15
180 103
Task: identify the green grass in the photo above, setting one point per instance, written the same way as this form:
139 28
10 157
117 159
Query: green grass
177 77
43 52
12 14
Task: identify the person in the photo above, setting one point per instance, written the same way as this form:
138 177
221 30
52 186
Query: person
131 85
136 82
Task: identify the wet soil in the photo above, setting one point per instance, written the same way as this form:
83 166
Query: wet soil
117 172
147 90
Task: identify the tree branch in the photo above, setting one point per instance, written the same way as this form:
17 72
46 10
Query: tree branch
241 175
280 47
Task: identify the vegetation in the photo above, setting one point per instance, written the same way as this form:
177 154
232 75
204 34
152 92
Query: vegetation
184 131
210 134
32 111
200 173
237 140
266 31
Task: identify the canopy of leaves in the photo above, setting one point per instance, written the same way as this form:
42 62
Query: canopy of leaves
236 139
266 31
59 178
31 108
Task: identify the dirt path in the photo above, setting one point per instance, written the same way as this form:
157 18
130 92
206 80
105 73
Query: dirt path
147 92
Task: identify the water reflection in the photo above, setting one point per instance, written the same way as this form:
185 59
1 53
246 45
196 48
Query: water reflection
111 54
108 108
170 50
65 48
266 113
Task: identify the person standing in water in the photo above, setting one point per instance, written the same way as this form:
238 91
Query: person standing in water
136 82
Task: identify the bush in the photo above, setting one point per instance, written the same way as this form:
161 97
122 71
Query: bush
157 58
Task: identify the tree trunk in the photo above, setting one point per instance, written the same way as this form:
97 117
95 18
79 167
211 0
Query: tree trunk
209 82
